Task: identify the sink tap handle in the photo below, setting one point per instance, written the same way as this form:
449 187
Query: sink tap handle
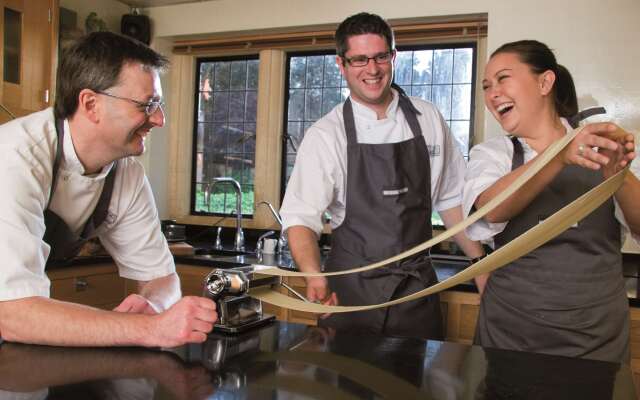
260 241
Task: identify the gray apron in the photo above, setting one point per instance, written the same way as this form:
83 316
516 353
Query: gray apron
388 210
566 297
64 243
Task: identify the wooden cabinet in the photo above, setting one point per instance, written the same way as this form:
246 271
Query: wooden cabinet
192 278
28 54
460 314
94 285
299 285
634 339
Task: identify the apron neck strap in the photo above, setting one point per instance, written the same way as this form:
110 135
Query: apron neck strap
59 153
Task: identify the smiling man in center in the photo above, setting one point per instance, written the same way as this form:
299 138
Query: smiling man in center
379 164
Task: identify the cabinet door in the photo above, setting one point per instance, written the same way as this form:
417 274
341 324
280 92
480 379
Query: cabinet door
192 279
96 285
460 310
27 52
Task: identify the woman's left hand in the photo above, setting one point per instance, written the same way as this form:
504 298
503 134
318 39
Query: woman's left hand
601 145
622 156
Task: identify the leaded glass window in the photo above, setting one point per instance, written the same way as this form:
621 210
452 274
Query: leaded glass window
225 134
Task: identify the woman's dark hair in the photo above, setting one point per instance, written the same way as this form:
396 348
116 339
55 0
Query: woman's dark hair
540 59
95 62
360 24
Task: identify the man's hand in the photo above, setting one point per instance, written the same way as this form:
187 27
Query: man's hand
136 304
318 291
187 321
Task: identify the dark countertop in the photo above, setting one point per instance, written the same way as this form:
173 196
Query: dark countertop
290 361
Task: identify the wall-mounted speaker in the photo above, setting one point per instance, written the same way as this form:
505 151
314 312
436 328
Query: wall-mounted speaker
137 26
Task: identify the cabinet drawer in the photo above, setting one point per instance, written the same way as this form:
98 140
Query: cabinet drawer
302 317
92 290
192 279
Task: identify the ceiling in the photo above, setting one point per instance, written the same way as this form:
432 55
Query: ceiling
156 3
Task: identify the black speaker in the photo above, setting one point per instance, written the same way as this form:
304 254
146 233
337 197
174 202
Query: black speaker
137 26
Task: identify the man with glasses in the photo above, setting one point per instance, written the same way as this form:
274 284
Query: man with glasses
377 163
69 176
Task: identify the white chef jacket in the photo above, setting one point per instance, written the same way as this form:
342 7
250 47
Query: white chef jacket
319 178
490 161
130 233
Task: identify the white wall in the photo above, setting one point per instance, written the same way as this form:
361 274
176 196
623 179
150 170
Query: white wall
598 41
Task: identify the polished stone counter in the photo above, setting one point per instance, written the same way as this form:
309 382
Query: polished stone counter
290 361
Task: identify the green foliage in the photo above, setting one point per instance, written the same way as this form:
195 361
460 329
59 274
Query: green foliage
217 202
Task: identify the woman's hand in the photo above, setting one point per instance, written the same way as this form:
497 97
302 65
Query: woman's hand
604 136
621 157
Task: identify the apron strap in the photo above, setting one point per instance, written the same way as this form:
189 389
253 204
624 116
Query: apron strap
574 121
349 123
518 153
56 163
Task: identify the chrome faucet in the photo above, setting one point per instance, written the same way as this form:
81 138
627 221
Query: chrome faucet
282 239
239 243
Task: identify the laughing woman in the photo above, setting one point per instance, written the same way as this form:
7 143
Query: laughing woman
566 297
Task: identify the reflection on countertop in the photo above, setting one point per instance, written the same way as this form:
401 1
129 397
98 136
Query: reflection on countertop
290 361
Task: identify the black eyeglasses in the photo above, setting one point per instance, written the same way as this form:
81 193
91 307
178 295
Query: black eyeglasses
363 61
149 107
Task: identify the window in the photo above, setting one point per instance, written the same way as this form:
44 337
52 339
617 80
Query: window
224 134
439 74
315 86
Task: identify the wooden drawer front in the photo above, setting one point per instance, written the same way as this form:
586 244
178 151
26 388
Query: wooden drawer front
634 334
192 279
460 314
301 317
468 320
191 285
93 290
280 313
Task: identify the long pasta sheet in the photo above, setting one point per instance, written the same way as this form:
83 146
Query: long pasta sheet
523 244
536 166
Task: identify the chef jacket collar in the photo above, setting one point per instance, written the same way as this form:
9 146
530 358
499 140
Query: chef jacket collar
72 162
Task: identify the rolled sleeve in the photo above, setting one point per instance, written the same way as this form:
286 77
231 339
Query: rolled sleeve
310 189
488 162
447 164
24 253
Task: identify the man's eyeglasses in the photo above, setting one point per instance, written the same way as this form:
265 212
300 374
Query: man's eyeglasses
149 107
363 61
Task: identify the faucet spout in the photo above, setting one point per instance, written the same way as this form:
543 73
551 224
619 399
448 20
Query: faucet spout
239 242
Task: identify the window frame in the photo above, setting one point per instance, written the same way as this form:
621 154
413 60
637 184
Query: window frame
474 71
194 162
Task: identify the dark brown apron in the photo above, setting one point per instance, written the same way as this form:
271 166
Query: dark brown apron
388 210
64 243
567 297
